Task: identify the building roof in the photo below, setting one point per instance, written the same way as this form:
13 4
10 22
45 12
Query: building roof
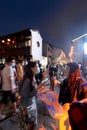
79 37
25 32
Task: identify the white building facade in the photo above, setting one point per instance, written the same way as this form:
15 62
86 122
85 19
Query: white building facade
36 45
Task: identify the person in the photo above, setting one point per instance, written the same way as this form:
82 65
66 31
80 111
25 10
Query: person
19 71
74 86
53 76
39 76
14 68
1 68
8 85
28 90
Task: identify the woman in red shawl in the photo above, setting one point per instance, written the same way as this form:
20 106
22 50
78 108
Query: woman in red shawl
74 87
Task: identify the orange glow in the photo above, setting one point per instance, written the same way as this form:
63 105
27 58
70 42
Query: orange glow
13 41
7 43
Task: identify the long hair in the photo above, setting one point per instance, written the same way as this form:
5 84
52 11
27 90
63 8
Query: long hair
73 79
28 72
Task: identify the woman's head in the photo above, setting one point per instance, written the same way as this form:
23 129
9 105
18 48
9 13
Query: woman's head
31 68
34 67
71 68
73 73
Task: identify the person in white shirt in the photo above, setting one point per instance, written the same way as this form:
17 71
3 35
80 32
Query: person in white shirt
8 84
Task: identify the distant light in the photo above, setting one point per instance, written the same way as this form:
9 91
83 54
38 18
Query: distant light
85 48
7 43
8 40
13 41
3 41
72 47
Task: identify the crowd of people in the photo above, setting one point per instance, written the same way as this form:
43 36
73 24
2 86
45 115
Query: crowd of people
10 74
29 78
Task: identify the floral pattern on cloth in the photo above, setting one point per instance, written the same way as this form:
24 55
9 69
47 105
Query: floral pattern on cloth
28 116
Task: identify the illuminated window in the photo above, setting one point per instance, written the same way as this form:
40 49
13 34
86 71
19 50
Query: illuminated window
26 44
85 48
29 43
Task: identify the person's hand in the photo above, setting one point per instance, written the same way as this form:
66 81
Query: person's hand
83 100
40 85
66 107
13 91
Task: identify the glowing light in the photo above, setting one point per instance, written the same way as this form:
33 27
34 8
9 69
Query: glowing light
85 48
8 40
3 41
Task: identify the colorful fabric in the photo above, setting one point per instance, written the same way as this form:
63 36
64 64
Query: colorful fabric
50 98
28 115
78 116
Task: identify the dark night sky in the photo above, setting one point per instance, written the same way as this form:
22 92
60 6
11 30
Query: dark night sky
59 21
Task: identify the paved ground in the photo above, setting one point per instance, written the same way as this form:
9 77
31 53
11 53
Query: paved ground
43 118
9 124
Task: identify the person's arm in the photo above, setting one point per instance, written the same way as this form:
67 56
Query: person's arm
39 86
15 74
57 83
83 91
83 100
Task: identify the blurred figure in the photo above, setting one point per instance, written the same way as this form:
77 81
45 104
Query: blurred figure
8 84
1 68
53 75
14 68
19 71
39 74
73 87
